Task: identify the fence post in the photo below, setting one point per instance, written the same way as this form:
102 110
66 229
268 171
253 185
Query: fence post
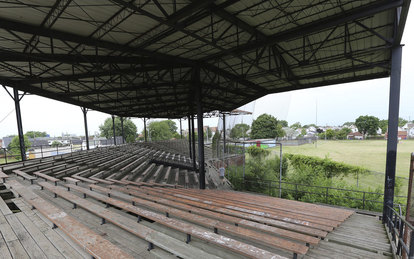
41 151
326 195
5 155
296 191
57 149
363 201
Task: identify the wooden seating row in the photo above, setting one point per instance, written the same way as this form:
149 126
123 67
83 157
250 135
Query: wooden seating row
94 244
214 224
153 237
190 230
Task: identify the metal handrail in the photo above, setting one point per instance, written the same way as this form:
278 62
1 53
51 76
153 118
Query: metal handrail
399 228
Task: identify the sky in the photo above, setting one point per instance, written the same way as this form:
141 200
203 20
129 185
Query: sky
329 105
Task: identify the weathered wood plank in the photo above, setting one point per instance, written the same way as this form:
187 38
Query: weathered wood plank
96 245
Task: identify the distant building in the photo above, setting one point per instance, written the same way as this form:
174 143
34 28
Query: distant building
355 135
402 134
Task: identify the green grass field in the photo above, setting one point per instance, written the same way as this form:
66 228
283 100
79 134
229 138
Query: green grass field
370 154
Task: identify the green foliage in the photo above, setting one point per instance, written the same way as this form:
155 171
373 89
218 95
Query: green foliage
327 167
283 123
239 131
208 133
257 152
172 125
296 125
56 144
367 125
216 141
402 122
342 133
14 146
37 134
266 126
130 129
348 123
383 124
162 130
330 134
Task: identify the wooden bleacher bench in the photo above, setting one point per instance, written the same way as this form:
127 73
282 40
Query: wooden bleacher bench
228 211
24 175
83 179
3 176
226 218
47 177
214 224
186 228
94 244
174 246
100 180
72 180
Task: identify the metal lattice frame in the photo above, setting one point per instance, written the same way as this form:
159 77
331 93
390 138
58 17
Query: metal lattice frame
149 58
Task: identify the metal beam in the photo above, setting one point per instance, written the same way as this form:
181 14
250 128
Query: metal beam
189 137
309 28
224 134
145 129
13 56
122 130
200 129
392 140
85 121
19 123
113 128
181 130
193 141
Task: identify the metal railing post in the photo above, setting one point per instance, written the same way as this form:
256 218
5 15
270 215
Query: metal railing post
5 155
296 192
41 151
326 195
363 201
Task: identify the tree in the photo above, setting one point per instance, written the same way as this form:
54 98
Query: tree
56 144
35 134
348 123
402 122
367 125
239 131
266 126
172 125
130 129
296 125
283 123
162 130
383 125
14 146
330 134
341 134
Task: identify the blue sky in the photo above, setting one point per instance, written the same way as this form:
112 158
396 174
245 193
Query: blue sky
336 104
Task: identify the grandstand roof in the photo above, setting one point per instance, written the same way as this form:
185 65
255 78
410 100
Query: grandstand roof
147 58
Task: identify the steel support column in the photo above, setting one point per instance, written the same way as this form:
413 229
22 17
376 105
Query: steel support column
392 141
85 121
193 141
181 130
189 137
145 129
200 131
19 123
224 134
122 130
113 128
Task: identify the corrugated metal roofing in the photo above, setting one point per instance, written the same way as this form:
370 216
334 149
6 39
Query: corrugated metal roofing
148 58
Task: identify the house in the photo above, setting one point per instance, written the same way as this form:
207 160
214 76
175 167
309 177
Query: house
355 135
409 127
402 134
